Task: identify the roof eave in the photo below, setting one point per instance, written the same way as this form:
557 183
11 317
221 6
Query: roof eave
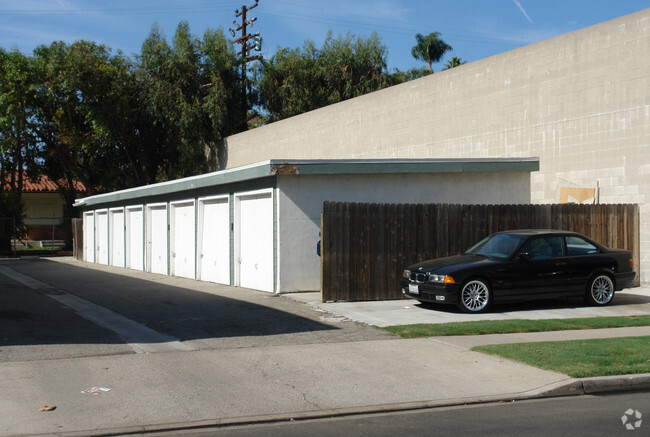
316 167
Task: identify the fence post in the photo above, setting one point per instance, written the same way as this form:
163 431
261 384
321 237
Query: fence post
53 230
13 225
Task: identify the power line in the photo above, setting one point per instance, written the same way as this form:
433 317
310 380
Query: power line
302 12
298 11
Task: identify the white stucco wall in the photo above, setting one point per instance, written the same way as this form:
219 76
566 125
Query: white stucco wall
300 202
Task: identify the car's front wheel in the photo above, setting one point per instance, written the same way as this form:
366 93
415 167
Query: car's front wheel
600 290
475 296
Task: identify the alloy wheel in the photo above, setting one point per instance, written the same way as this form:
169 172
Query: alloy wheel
602 290
475 296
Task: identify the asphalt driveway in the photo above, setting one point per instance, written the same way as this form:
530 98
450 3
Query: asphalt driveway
36 320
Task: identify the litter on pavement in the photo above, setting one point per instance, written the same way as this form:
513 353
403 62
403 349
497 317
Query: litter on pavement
95 390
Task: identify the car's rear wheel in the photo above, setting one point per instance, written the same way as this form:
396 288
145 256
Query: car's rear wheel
475 296
600 290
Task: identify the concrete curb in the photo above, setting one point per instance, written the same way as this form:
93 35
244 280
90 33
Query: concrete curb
616 383
570 387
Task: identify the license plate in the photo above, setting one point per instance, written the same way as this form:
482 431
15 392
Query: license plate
413 289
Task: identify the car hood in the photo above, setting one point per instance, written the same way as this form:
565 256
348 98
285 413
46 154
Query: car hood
450 263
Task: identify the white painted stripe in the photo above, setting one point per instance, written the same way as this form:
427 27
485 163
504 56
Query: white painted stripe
140 337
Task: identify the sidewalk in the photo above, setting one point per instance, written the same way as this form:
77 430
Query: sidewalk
217 382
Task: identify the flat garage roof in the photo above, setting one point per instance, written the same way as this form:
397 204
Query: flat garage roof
317 167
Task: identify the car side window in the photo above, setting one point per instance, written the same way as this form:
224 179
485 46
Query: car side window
579 246
544 247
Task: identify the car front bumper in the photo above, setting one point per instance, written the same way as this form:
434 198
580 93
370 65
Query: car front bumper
430 292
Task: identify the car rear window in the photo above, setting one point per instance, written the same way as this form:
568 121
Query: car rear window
579 246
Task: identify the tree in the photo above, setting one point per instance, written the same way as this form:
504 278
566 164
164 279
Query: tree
75 97
398 76
454 62
430 48
17 144
295 81
191 98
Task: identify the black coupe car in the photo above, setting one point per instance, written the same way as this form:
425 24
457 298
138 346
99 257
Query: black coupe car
521 265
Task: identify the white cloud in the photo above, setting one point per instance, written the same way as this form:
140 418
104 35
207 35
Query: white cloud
523 11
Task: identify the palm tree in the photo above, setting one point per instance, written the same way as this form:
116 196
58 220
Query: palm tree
430 48
454 62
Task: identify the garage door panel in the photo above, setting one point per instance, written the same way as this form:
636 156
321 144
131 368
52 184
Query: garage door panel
89 237
117 238
183 241
135 239
101 237
256 242
157 240
214 257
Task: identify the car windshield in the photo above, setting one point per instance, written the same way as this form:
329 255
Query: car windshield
497 246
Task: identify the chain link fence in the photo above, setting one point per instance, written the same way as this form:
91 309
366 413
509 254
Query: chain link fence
40 234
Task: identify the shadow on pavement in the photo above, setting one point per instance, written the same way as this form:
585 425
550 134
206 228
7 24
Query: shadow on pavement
28 317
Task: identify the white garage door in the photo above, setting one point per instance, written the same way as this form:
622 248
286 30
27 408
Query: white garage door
89 237
157 239
214 240
116 221
255 240
183 238
134 238
101 237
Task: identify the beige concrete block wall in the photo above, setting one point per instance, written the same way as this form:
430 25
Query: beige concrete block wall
580 102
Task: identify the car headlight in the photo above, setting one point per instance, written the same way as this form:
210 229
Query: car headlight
441 279
406 274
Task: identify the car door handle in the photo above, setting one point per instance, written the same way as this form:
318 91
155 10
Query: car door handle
560 264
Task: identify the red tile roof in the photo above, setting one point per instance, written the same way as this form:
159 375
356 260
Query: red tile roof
42 184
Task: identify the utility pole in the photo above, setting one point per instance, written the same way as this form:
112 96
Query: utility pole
245 37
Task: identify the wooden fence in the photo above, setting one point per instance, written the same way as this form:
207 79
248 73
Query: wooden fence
78 238
366 246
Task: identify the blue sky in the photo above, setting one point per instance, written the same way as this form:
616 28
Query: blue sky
475 29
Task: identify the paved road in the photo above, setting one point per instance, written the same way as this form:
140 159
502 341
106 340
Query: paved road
580 415
176 352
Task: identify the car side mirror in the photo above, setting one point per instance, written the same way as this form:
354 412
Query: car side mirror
524 256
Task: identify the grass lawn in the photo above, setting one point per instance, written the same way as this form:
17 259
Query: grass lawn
580 358
514 326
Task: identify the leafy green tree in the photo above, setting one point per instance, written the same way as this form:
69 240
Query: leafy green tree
430 48
74 96
17 145
295 81
454 62
191 98
398 76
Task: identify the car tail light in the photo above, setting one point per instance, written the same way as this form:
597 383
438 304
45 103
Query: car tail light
631 263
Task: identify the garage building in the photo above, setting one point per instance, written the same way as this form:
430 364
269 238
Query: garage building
257 226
